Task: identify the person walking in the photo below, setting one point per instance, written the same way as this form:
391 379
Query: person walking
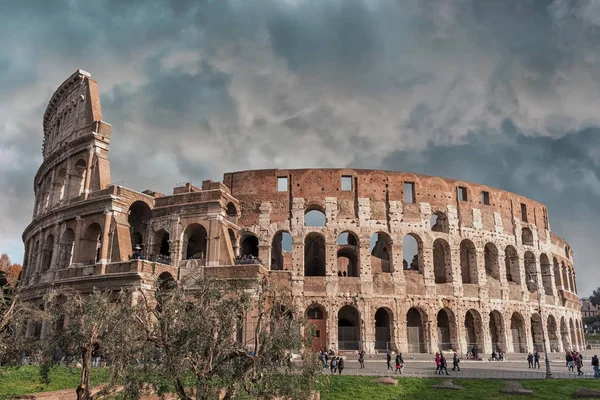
361 359
595 366
455 361
438 364
399 363
388 359
333 364
579 363
536 359
340 366
443 364
570 362
530 360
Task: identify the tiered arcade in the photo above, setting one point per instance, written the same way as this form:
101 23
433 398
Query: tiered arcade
374 259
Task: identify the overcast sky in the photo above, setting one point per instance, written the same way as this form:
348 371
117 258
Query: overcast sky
505 93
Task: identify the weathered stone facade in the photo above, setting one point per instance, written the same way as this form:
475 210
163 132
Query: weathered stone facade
397 261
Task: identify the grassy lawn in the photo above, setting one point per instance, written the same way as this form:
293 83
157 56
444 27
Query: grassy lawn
592 337
26 379
359 387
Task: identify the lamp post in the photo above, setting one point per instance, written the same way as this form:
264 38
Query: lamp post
533 282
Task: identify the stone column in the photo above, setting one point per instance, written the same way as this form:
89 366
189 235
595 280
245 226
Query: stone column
77 243
485 330
88 173
105 238
428 274
456 270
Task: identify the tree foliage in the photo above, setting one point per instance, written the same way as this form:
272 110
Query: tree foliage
595 297
10 271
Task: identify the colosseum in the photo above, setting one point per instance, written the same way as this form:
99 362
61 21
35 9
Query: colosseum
374 259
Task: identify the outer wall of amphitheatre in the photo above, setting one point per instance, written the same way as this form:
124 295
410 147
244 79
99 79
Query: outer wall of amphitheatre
374 259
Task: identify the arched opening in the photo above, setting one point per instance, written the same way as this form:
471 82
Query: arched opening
138 217
194 242
166 282
314 217
552 329
536 332
380 253
60 182
90 244
383 330
511 261
527 237
439 222
412 253
415 331
442 261
315 316
497 335
250 246
161 251
446 330
557 275
517 328
281 251
546 274
565 278
314 255
65 255
47 253
78 178
530 269
348 329
231 211
564 334
347 255
474 330
34 258
491 262
468 262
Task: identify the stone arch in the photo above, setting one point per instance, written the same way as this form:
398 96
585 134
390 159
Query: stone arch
530 268
60 183
381 252
552 330
474 329
314 254
511 260
497 333
557 275
439 222
446 330
536 332
194 242
517 328
527 237
565 278
349 328
138 217
314 216
47 253
65 254
442 261
468 261
348 259
564 334
77 184
412 252
316 316
90 244
546 274
166 281
281 249
231 210
491 261
249 246
415 330
384 322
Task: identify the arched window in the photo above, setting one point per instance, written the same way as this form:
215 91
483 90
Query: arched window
47 253
194 241
347 255
90 244
511 260
250 246
138 217
468 262
546 274
412 253
314 217
380 253
78 178
314 255
491 261
442 261
60 182
527 237
66 248
281 251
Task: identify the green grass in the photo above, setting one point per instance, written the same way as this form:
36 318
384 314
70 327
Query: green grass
26 379
592 337
360 387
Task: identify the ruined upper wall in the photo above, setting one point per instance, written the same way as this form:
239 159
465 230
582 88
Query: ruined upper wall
380 188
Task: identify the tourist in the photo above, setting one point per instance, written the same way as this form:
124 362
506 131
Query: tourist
530 360
536 359
455 361
443 364
438 363
361 359
388 358
570 363
340 365
494 356
475 354
595 366
399 363
333 364
579 363
500 355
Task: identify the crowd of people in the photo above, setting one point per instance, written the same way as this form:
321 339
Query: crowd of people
248 259
574 360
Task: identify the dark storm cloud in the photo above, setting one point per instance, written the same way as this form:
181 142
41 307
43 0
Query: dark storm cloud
499 92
